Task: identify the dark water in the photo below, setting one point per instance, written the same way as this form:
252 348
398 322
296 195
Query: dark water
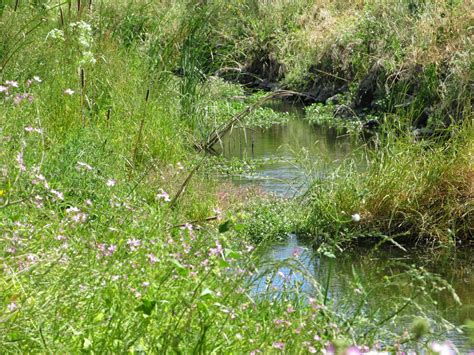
282 172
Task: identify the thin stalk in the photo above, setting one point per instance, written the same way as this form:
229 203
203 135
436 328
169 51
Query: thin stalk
83 84
140 131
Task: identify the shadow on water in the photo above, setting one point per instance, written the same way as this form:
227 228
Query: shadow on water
280 149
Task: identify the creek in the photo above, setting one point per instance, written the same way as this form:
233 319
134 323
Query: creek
283 151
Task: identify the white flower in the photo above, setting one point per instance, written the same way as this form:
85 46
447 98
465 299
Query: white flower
69 92
111 182
356 217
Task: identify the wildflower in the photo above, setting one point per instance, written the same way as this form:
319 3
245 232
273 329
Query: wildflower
133 244
69 92
152 258
163 195
188 226
443 349
145 284
312 301
297 252
290 309
12 307
76 215
55 34
278 345
255 352
32 129
37 79
59 195
179 166
86 166
3 88
18 99
110 250
356 217
12 83
115 277
111 182
21 164
353 350
217 250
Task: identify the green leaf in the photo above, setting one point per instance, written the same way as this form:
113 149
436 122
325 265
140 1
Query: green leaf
87 344
146 307
180 268
224 227
231 254
207 293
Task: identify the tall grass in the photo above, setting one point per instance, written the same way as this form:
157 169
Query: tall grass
416 190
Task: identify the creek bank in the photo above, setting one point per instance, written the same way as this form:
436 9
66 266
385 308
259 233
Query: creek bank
411 91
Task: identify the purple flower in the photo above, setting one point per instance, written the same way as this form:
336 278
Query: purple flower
217 250
21 164
59 195
278 345
163 195
133 244
152 258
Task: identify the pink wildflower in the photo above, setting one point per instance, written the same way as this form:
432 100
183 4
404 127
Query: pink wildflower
353 350
163 195
217 250
152 258
133 244
443 349
59 195
297 252
21 164
312 349
3 88
278 345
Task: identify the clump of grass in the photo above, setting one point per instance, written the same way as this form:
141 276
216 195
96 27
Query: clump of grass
420 190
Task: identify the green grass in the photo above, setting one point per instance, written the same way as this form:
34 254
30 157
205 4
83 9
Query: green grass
93 256
414 191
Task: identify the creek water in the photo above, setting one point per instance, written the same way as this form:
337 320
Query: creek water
282 152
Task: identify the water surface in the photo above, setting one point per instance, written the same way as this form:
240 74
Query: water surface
281 148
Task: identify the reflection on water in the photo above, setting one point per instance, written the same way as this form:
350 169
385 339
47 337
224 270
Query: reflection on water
369 268
281 148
